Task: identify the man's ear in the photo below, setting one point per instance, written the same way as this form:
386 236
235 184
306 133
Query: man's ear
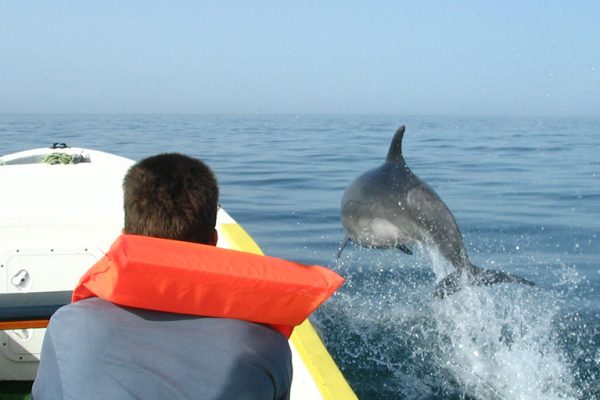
215 238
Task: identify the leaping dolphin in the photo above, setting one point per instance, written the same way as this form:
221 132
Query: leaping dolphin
390 207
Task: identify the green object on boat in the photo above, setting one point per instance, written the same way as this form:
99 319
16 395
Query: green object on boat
15 390
64 158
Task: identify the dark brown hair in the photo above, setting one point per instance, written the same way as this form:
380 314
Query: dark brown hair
171 196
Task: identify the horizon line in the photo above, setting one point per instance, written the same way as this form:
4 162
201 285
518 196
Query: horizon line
305 114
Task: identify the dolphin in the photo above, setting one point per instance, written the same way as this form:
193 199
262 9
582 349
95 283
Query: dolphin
390 207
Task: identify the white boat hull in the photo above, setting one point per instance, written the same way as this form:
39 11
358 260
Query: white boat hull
57 220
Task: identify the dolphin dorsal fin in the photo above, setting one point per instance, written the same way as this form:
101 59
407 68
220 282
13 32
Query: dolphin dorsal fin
395 152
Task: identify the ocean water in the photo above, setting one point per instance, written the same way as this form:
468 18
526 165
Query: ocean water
524 191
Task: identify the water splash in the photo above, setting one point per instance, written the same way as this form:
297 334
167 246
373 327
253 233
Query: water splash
399 342
500 342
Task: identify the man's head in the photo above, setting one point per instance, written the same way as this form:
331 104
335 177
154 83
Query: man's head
171 196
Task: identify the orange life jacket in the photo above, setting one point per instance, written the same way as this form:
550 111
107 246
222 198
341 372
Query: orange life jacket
189 278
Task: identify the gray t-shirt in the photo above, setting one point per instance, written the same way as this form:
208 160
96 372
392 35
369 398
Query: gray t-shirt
94 349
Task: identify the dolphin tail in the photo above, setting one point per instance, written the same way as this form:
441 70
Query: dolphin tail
473 275
342 247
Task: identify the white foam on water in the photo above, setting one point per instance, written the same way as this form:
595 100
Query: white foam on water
484 342
499 343
441 266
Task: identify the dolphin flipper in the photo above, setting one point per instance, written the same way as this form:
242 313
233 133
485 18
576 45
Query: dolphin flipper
342 247
473 275
404 248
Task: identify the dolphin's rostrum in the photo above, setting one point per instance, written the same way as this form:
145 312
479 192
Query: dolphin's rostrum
390 207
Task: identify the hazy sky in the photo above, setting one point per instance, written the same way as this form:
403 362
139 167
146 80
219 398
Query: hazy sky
351 57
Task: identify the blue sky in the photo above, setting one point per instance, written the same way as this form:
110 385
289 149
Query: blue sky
347 57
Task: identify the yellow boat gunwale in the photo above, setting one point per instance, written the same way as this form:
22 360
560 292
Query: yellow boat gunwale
324 371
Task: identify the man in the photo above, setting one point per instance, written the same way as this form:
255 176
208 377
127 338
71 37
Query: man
95 349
